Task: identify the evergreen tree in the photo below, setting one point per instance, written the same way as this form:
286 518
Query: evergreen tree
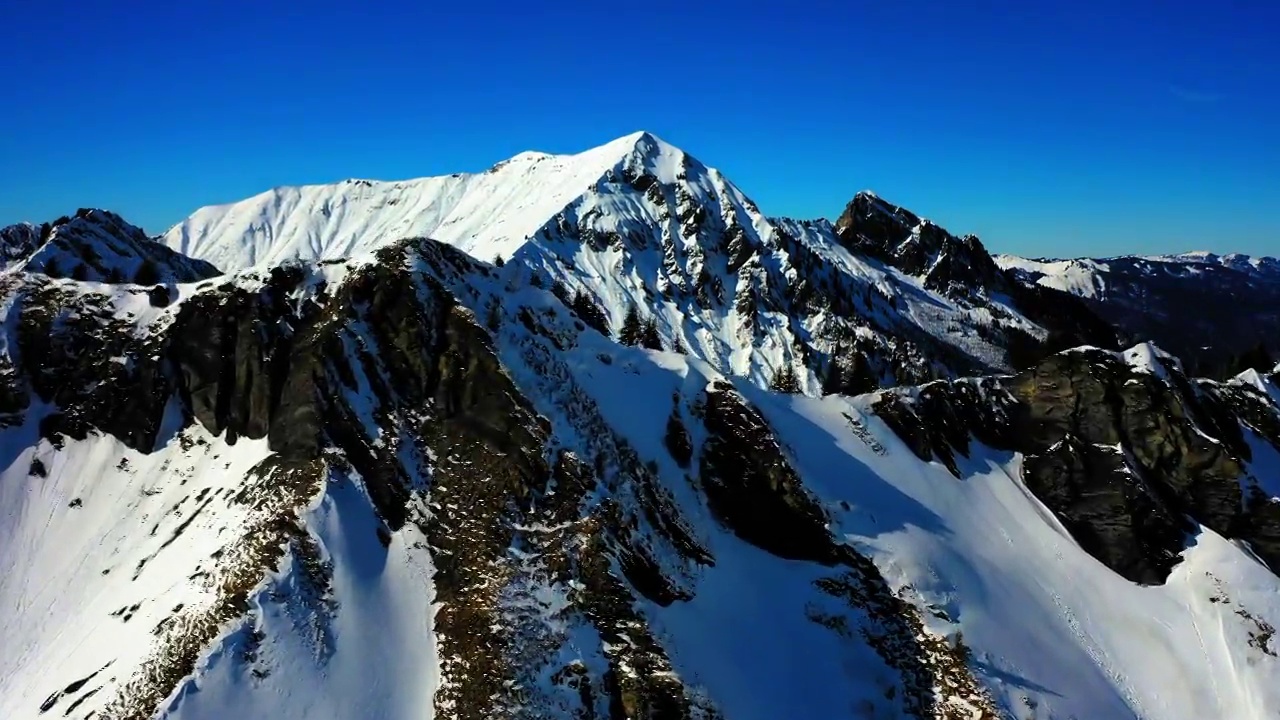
589 312
632 328
498 261
148 274
784 380
560 291
860 378
1255 358
833 381
493 316
677 346
649 337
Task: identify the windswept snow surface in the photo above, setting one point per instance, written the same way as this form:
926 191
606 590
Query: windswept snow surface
112 543
484 214
377 658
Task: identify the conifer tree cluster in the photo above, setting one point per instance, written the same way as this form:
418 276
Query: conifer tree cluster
589 312
849 374
631 327
785 380
640 332
148 273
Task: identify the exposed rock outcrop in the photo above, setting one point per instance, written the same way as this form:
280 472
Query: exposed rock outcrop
1129 458
895 235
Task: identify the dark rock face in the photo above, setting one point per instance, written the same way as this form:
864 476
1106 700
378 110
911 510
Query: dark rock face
937 421
898 237
1122 457
17 242
1097 497
386 376
1095 399
753 490
68 344
750 486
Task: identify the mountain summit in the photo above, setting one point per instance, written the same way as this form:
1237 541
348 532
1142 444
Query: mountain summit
639 223
486 214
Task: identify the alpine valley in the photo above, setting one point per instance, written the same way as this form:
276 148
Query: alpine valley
592 436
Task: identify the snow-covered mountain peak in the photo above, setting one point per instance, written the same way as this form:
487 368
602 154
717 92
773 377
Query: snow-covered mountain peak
637 223
486 214
562 485
252 497
96 245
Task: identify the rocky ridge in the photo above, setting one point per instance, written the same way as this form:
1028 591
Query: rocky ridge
381 372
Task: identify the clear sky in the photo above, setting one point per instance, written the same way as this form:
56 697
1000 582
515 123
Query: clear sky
1048 127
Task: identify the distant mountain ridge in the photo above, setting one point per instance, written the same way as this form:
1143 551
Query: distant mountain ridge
1203 307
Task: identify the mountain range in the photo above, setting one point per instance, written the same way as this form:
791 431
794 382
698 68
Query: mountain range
592 436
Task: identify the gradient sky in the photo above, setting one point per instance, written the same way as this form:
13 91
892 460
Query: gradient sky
1047 128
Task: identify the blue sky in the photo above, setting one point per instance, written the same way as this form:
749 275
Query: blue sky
1056 129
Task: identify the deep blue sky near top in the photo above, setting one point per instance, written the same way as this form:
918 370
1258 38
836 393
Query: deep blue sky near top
1053 128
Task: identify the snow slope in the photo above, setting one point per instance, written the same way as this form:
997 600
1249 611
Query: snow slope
1082 277
382 610
111 545
1054 633
114 559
